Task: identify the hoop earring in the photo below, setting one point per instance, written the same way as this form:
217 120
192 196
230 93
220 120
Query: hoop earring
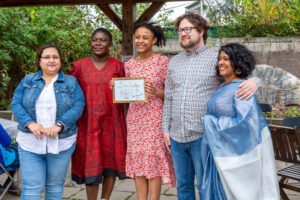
238 71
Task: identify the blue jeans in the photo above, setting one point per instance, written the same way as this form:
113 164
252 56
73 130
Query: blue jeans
44 170
187 163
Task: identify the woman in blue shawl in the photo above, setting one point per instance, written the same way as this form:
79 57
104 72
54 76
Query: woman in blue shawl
237 149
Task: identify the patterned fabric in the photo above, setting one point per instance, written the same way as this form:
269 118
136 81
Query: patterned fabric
101 140
146 153
191 80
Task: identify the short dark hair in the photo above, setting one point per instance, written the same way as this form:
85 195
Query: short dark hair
197 20
40 50
156 30
103 30
241 59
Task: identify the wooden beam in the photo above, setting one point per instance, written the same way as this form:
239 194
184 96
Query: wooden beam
11 3
14 3
150 12
128 18
111 15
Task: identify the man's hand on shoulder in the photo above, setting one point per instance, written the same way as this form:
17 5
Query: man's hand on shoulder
247 89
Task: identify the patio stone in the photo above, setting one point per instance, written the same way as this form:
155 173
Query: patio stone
125 190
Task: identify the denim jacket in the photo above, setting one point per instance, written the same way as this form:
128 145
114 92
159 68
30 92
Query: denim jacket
69 101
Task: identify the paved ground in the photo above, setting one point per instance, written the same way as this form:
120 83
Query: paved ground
124 190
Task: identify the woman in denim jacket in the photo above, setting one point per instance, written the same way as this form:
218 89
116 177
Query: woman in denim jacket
47 105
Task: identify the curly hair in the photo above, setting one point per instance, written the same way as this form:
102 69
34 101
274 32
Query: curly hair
241 59
197 20
156 30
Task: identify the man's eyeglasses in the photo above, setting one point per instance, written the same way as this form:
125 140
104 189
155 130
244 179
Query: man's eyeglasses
187 30
49 57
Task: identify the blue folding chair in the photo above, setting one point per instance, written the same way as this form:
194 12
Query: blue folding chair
9 160
12 167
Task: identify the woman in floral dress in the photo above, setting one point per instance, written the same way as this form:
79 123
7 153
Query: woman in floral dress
147 159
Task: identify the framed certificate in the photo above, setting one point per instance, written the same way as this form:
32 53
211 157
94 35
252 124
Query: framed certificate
129 90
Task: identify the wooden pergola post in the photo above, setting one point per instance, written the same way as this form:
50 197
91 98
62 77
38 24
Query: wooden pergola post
128 19
126 24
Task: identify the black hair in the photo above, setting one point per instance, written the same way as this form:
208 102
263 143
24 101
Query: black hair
103 30
197 20
40 50
156 30
241 59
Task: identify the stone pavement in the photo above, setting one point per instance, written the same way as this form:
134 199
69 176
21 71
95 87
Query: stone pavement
124 190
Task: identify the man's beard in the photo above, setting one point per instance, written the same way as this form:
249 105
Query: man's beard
190 44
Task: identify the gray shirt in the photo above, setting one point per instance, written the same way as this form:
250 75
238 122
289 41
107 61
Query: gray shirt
190 82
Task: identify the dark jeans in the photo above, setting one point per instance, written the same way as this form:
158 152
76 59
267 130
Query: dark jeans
187 163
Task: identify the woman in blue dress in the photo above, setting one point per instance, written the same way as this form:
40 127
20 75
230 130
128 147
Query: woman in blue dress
237 149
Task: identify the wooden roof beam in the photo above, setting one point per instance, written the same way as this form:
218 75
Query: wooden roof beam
150 12
111 15
13 3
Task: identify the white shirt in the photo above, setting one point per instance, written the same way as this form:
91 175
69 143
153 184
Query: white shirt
46 116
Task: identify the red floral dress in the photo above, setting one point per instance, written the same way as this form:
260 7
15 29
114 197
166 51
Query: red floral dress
146 152
101 141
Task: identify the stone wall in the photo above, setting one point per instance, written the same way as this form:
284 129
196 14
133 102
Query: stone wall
281 52
279 87
278 65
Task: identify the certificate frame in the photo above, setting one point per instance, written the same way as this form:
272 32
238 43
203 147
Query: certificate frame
129 89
